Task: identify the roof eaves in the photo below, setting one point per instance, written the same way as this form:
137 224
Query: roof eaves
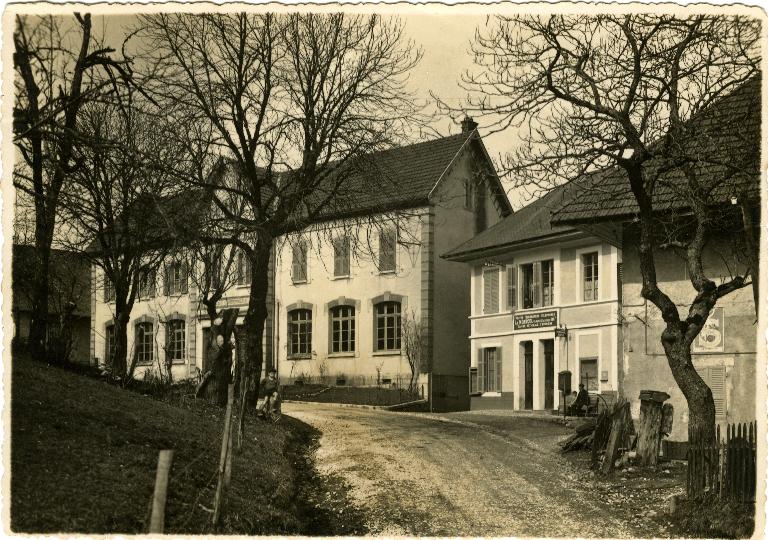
472 254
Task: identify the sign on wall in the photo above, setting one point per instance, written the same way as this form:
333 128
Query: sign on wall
712 336
541 319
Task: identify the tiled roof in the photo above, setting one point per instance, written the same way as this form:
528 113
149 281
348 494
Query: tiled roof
391 179
531 222
726 133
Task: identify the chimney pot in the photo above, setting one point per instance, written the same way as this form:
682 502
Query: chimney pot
468 125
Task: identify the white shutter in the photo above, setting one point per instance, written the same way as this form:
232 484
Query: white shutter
498 369
491 290
537 284
511 288
715 379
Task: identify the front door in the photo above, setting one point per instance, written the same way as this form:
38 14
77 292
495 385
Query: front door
528 358
549 373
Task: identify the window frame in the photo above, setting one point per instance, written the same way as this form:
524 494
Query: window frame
109 290
176 279
301 330
469 194
300 259
243 268
147 287
344 315
341 253
381 322
172 342
140 344
537 284
110 343
388 232
594 270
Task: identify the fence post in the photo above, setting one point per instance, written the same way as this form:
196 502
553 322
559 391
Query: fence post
157 518
217 500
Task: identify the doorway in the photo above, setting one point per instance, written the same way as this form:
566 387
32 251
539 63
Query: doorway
528 361
549 373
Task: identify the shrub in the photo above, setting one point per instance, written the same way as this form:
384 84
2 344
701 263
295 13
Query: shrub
711 516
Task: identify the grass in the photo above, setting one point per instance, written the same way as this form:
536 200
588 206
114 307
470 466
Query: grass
84 454
358 395
710 516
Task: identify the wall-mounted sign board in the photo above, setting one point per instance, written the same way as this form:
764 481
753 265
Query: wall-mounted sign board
542 319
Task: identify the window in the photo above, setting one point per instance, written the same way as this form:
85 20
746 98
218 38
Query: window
109 344
147 279
175 342
300 332
469 194
491 290
243 269
588 374
175 278
538 284
145 336
715 378
388 326
489 369
342 329
341 256
511 288
109 290
299 264
590 276
387 243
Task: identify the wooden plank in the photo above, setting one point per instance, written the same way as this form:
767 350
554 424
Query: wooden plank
649 429
620 418
157 517
218 497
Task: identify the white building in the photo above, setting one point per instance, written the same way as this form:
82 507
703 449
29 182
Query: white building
345 285
544 299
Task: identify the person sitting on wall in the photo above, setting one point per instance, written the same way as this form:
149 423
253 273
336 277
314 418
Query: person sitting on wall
582 401
570 399
268 393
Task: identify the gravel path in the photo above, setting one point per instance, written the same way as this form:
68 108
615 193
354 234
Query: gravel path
438 475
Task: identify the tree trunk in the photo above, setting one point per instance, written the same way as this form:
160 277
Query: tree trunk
255 320
40 289
119 362
649 428
701 404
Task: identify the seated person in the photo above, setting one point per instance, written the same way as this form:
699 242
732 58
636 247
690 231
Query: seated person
268 393
581 404
569 400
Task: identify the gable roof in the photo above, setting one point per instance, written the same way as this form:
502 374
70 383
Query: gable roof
402 177
530 223
726 133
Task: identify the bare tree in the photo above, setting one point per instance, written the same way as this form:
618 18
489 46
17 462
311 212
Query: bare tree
126 214
634 94
58 68
413 346
291 102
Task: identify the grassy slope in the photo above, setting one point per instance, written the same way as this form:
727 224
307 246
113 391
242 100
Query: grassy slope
84 453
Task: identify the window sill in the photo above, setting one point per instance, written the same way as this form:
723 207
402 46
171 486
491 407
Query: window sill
387 272
242 285
387 353
341 355
304 282
178 362
491 394
299 356
340 277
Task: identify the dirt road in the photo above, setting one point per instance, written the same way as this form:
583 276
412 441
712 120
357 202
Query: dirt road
431 475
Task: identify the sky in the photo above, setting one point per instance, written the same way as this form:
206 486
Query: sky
445 41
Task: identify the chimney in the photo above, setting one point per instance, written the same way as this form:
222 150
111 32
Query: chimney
468 125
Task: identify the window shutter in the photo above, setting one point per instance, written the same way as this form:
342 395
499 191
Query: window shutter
480 370
498 369
491 291
184 270
717 385
619 280
166 280
537 284
511 287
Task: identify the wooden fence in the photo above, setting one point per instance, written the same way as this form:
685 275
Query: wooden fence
726 467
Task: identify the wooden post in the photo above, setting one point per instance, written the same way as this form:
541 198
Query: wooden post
157 518
218 498
649 429
620 418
